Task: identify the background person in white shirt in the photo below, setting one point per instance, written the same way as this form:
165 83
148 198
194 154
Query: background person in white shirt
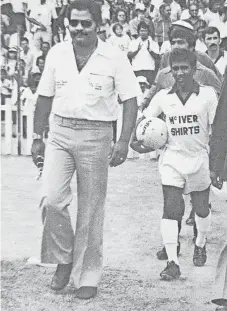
200 45
119 39
175 10
144 54
41 15
81 92
185 13
211 36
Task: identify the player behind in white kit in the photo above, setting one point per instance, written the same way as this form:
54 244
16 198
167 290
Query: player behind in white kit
184 164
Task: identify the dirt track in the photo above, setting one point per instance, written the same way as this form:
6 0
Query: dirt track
132 237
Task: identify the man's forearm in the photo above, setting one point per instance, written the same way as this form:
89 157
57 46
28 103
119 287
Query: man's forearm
154 55
129 119
34 21
131 55
42 113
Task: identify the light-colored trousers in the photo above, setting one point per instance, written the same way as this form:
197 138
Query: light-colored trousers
81 146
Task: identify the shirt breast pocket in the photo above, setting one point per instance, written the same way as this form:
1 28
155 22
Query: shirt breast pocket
100 84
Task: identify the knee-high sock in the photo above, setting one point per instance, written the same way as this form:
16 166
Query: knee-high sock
203 225
169 230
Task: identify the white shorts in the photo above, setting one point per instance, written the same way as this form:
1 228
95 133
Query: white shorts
190 173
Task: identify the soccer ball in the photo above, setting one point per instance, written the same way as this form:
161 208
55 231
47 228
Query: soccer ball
153 132
222 193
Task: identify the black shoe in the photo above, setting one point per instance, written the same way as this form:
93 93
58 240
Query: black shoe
222 302
171 272
86 292
200 256
162 255
61 277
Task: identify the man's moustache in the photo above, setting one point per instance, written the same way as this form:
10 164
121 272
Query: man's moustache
213 44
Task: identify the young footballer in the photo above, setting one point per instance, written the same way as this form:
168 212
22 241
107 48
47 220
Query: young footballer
184 164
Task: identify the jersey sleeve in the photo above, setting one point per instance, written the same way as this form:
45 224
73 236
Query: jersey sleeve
154 109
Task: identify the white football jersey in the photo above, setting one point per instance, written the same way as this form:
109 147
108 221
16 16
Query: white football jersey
189 123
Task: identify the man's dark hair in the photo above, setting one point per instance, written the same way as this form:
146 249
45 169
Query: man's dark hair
210 31
86 5
40 58
25 39
162 7
143 25
183 33
182 55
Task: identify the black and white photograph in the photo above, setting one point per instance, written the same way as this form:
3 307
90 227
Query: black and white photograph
113 155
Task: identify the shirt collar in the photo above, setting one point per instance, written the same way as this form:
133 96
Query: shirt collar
101 49
221 54
195 89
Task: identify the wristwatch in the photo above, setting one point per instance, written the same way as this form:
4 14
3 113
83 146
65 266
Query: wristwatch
37 136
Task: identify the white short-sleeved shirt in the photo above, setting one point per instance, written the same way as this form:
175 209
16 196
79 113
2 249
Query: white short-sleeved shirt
188 124
29 98
185 14
143 59
92 93
18 5
43 13
166 47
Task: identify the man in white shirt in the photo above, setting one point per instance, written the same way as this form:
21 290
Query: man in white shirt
41 15
211 36
82 94
200 45
144 54
175 10
214 13
26 54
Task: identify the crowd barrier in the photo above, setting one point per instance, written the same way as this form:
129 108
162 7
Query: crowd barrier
9 128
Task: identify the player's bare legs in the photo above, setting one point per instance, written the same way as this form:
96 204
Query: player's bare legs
200 200
173 213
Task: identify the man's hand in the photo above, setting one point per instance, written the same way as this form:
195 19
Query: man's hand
42 27
139 47
145 103
37 151
216 180
119 153
137 145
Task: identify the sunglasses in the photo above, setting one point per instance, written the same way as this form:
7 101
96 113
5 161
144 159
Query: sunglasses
84 23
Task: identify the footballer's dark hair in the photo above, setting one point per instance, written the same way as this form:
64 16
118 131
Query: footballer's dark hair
210 31
86 5
182 33
180 55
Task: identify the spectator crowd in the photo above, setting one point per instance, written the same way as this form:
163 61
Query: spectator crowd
146 30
